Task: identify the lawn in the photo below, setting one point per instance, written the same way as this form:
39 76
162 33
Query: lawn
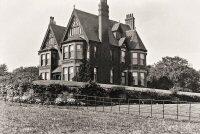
34 119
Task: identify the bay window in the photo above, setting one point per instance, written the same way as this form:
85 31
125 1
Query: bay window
134 58
47 59
142 79
135 78
71 51
71 72
142 59
78 51
65 52
65 74
43 60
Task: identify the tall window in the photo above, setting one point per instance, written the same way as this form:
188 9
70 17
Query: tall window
95 74
111 55
111 76
47 76
65 52
142 60
95 51
134 58
47 59
123 78
135 78
71 51
142 79
77 69
78 52
123 53
43 76
43 60
71 72
88 53
65 74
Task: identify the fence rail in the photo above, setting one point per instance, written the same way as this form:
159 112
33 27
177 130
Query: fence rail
179 110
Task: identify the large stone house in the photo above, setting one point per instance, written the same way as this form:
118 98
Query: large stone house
115 50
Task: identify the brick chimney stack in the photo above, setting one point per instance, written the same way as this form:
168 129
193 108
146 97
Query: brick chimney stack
103 20
130 20
52 20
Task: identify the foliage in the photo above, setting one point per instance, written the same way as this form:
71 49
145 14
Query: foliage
173 72
85 72
3 69
117 92
92 89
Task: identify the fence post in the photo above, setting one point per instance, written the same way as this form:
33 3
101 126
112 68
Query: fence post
12 97
190 107
95 103
139 106
111 104
151 107
20 100
77 101
128 106
103 103
119 105
177 110
163 109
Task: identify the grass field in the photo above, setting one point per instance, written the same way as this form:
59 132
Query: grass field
34 119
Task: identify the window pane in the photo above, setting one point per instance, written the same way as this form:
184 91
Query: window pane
135 78
123 82
141 56
111 76
95 74
65 49
142 78
71 71
135 55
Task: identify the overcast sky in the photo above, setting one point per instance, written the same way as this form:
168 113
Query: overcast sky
166 27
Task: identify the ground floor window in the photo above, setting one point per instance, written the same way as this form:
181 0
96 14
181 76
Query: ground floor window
142 79
65 74
45 76
135 78
123 78
111 76
95 74
71 73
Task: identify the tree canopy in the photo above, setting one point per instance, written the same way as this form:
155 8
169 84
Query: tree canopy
173 72
3 69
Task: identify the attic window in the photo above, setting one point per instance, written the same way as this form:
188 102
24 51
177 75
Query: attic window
75 28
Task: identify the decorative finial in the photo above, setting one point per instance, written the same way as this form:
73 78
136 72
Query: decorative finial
74 6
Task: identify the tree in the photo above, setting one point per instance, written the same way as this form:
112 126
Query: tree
85 72
3 69
173 72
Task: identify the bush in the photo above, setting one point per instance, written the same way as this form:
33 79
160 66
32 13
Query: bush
92 89
117 92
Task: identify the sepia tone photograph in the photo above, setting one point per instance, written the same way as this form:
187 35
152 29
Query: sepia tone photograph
99 67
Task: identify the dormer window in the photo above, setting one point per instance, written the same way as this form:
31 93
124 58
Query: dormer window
75 28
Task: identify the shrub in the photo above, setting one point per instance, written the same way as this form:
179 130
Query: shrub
117 92
92 89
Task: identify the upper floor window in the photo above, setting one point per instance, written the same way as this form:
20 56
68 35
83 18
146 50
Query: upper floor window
54 59
71 51
79 51
65 52
47 59
51 41
123 54
134 58
135 78
142 79
75 28
142 59
43 60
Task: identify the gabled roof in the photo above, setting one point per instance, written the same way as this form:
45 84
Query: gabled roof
58 32
134 41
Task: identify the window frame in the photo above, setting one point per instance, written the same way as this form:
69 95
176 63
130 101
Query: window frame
123 56
142 59
134 58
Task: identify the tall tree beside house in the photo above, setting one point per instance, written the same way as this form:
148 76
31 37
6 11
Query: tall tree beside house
173 72
3 69
85 72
